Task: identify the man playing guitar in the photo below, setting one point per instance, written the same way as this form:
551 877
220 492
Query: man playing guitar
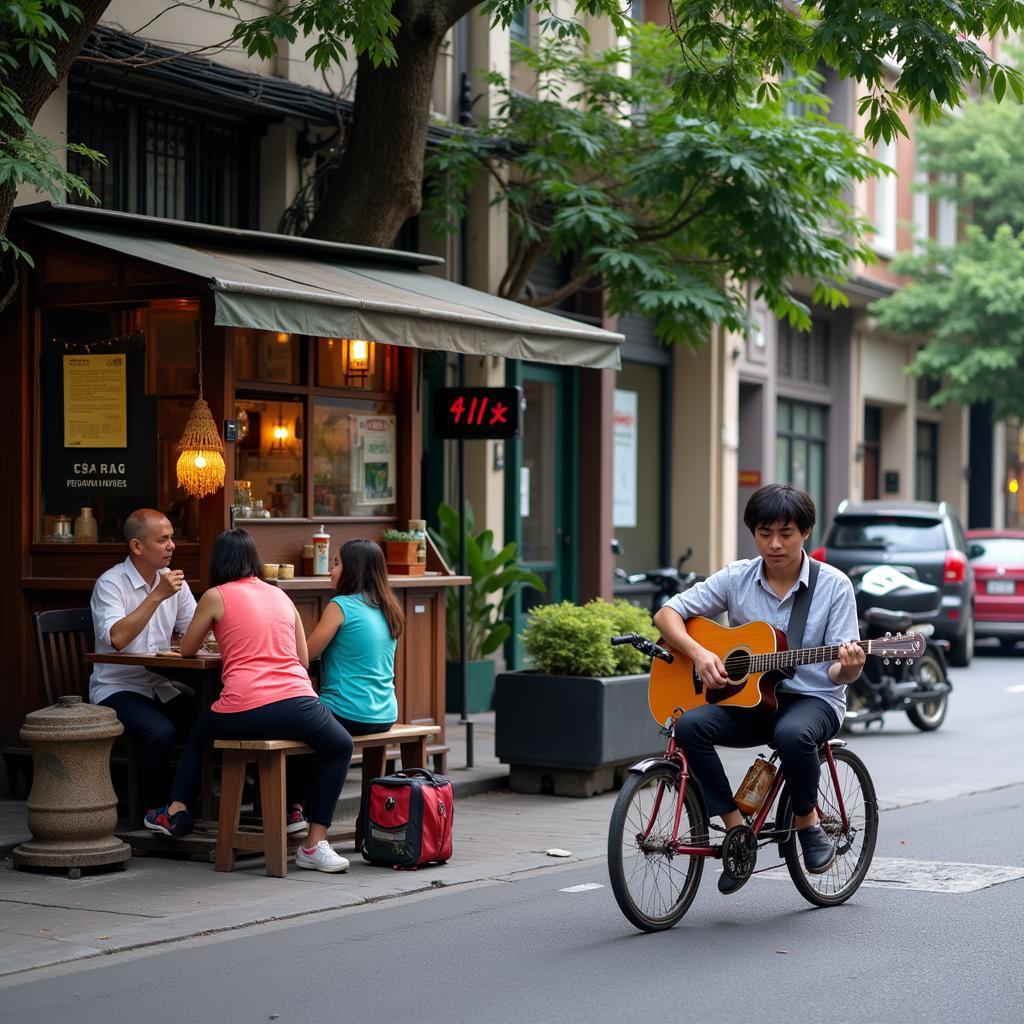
811 705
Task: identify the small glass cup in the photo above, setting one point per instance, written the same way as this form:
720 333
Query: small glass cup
285 571
270 570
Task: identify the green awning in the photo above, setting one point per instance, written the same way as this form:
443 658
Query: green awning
279 283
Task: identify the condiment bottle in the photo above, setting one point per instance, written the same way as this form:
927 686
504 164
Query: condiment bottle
307 559
321 553
85 528
418 528
755 786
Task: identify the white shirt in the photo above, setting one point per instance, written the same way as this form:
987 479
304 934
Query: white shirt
118 592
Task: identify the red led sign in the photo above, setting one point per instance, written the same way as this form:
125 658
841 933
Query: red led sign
478 412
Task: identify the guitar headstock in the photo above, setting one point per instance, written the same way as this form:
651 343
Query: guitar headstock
899 645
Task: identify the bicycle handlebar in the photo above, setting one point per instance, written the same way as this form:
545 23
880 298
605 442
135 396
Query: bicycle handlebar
641 643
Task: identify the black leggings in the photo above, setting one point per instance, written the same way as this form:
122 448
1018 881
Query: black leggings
797 730
298 718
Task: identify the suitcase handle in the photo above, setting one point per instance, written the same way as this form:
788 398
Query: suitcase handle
408 773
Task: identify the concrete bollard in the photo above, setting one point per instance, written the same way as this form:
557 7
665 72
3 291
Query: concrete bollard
72 808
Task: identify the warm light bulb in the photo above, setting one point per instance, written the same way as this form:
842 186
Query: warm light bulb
280 433
1013 486
359 354
283 338
200 461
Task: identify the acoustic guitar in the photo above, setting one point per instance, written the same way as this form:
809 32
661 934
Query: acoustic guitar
756 659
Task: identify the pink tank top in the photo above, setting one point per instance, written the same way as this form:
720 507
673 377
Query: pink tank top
256 636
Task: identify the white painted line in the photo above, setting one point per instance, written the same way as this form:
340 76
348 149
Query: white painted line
584 887
1015 689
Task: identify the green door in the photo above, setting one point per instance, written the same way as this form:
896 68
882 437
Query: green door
541 498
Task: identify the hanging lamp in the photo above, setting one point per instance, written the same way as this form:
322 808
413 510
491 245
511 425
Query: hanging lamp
200 468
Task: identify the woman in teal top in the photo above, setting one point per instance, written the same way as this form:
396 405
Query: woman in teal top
355 640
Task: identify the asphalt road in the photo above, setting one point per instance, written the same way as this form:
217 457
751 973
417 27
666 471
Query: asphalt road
904 949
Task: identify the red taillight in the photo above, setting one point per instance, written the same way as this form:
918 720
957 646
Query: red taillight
818 554
955 569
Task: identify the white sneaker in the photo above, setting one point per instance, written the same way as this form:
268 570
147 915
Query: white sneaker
323 858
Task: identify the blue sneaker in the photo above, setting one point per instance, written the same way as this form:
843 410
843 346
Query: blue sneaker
158 820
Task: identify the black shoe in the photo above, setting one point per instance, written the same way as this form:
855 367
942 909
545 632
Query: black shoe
819 851
727 884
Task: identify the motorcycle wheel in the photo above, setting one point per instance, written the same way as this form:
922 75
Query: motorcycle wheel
929 715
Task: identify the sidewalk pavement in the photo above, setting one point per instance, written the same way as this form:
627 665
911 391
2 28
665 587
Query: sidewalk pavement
47 919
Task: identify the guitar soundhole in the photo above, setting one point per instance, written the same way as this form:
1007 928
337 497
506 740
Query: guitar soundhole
737 665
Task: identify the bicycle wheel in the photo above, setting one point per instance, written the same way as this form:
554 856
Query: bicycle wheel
856 845
653 886
929 714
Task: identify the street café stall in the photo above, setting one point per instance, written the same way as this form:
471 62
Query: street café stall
308 357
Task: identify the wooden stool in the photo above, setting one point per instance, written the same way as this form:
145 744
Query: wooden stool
270 756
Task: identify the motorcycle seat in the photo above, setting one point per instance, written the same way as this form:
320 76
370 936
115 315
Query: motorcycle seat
883 618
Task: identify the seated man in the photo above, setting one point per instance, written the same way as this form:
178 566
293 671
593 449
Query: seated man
136 606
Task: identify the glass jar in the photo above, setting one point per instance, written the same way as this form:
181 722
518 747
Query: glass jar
86 531
418 528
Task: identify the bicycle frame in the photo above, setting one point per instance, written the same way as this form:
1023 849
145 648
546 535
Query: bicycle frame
675 755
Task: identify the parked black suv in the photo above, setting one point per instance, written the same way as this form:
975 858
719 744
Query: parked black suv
921 538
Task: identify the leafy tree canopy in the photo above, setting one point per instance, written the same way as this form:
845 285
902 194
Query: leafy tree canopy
967 301
671 215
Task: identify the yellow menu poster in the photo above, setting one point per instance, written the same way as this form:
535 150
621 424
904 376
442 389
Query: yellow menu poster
96 401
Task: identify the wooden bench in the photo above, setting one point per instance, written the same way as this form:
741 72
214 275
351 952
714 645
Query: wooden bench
270 756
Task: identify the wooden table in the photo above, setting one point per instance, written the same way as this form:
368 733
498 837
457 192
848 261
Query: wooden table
202 673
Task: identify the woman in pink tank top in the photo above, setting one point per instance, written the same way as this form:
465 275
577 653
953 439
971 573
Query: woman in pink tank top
266 694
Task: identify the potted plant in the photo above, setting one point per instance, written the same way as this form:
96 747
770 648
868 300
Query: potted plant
574 721
402 553
495 578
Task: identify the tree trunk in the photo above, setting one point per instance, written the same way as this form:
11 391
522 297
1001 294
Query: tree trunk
380 175
35 85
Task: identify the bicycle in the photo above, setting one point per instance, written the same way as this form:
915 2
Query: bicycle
659 835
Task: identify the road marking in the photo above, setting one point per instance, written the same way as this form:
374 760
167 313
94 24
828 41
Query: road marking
1015 689
930 875
584 887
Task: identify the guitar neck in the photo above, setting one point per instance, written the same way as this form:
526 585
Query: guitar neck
803 656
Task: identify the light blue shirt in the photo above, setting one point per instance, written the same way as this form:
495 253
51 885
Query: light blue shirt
741 590
358 677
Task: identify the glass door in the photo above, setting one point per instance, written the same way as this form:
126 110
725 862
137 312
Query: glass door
541 504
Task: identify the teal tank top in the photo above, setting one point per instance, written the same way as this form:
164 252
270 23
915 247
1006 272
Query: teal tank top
357 679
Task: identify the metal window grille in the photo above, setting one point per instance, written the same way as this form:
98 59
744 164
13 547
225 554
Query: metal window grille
801 448
164 161
926 477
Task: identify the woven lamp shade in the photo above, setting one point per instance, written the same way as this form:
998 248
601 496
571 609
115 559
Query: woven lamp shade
201 462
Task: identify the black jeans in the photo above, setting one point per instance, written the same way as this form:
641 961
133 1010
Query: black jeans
797 730
298 718
301 769
155 727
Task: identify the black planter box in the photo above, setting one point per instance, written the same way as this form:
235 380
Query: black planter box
572 722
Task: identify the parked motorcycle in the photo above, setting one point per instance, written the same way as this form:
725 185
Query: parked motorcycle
889 601
666 582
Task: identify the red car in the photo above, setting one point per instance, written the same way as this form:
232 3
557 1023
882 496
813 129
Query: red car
998 560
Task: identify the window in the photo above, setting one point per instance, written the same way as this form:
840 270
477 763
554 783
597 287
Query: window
946 216
885 199
804 357
801 436
319 406
519 30
164 160
926 477
921 211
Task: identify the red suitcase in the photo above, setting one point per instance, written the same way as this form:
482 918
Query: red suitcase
409 820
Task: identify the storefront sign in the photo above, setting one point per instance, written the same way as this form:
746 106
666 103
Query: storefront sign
373 460
624 436
478 412
95 401
750 478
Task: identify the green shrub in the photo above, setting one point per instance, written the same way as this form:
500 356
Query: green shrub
569 640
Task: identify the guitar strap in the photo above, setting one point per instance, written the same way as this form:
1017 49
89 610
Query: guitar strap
801 606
